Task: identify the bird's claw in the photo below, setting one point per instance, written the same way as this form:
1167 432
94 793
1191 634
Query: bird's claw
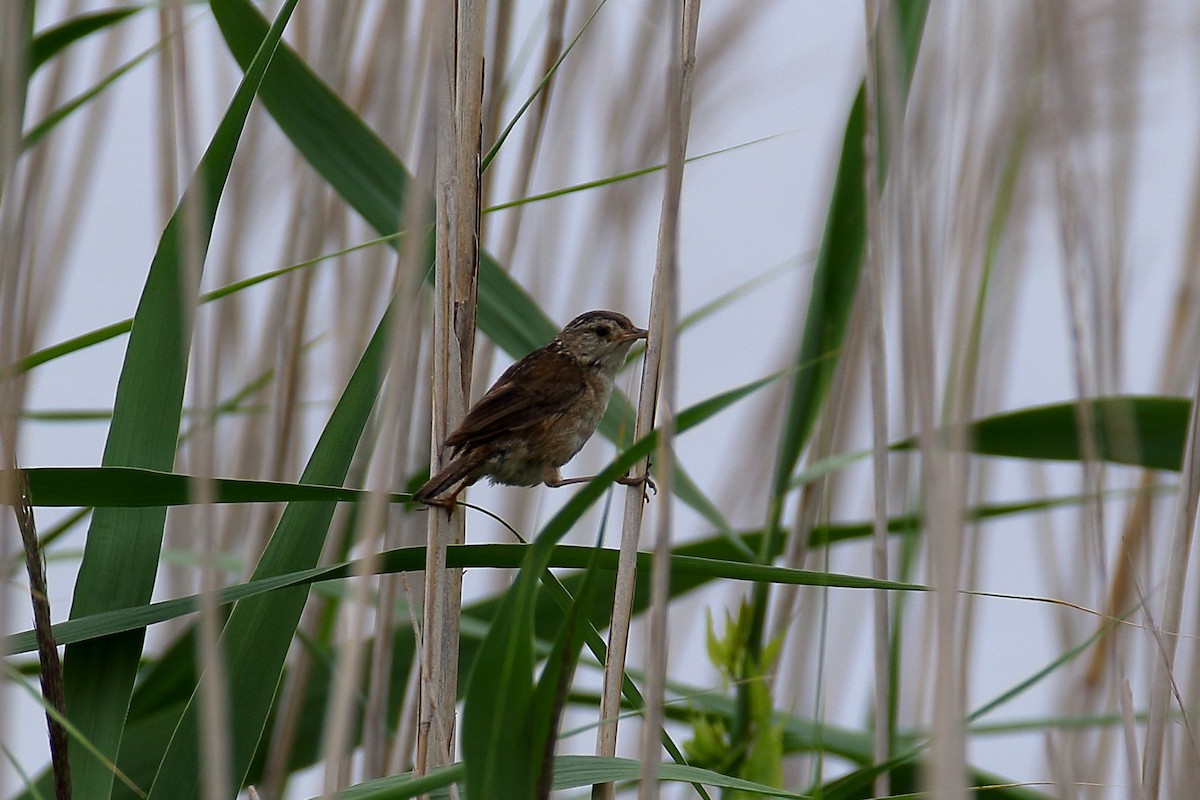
444 503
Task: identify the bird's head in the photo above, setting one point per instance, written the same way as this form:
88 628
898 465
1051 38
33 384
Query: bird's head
600 339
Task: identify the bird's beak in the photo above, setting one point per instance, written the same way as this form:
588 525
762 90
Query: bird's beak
635 334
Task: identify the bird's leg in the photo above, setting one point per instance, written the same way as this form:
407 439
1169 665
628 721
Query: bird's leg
553 479
639 480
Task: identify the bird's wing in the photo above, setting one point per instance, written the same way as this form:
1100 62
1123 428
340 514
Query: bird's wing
530 390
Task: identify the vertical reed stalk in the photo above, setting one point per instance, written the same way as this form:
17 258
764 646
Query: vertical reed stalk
684 17
458 84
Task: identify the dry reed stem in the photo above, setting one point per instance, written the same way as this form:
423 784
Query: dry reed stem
618 636
684 17
458 85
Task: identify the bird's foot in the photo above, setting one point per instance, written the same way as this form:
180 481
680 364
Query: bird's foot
447 503
644 480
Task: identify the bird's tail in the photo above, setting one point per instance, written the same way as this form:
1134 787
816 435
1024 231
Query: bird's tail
458 470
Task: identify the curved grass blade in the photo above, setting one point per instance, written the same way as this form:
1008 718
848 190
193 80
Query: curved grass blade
497 726
111 331
53 40
37 132
550 694
121 555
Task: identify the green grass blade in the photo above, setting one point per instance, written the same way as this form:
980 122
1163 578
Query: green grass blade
688 570
129 487
121 555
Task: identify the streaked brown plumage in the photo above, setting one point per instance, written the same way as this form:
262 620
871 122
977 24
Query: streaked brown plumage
540 412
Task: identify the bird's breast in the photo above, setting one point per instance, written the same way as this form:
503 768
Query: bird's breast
571 429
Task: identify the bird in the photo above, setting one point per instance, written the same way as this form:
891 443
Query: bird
540 412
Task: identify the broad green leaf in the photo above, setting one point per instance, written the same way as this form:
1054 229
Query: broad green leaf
1141 431
550 693
121 555
1138 430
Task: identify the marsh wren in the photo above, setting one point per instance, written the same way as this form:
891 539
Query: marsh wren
540 412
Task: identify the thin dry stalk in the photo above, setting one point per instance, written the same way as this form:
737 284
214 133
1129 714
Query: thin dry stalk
168 134
800 615
922 255
401 757
458 84
1179 359
1129 727
681 73
400 530
341 711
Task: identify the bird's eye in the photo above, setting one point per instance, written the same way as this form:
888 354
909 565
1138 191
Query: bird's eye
601 331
